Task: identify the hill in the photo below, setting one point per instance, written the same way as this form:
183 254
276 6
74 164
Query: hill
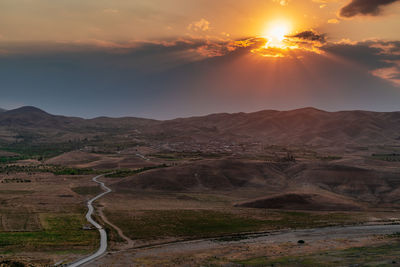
226 174
311 185
73 158
32 126
305 127
302 201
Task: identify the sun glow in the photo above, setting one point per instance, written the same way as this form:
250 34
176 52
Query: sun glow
278 39
276 33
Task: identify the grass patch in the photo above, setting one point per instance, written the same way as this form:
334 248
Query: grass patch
57 170
40 151
393 157
328 158
129 172
286 261
206 223
11 159
300 220
9 263
20 222
60 232
181 223
87 190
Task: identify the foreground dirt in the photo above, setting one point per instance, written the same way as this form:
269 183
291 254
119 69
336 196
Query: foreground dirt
271 245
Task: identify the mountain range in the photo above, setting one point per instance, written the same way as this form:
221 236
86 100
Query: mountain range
306 126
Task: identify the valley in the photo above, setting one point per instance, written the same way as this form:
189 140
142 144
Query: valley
238 188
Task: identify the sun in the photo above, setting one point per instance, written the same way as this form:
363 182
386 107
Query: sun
276 33
278 36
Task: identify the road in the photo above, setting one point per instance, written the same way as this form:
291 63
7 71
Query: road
103 235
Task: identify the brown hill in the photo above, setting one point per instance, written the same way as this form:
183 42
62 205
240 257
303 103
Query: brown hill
307 126
73 158
364 184
302 201
317 180
36 118
82 159
32 125
227 174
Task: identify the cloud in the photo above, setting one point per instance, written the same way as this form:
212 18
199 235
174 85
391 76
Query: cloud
388 48
379 58
364 7
391 74
196 76
333 21
309 36
201 25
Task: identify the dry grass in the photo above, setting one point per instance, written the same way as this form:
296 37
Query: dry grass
20 222
42 220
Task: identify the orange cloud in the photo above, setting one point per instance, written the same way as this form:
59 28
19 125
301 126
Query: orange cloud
333 21
391 74
201 25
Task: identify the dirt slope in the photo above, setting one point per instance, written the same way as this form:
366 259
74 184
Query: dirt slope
73 158
303 201
321 181
202 175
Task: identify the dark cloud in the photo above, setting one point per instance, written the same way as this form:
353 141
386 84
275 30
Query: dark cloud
380 58
173 78
364 7
372 54
310 36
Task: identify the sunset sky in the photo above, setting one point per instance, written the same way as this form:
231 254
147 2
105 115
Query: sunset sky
176 58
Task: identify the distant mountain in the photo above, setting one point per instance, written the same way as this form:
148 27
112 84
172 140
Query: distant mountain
307 126
34 118
302 126
33 125
2 110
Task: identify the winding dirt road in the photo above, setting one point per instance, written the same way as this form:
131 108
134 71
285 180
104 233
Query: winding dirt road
103 235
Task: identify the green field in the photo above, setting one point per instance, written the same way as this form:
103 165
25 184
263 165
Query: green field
181 223
155 224
129 172
392 157
60 233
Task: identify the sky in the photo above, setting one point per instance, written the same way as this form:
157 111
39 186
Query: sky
176 58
